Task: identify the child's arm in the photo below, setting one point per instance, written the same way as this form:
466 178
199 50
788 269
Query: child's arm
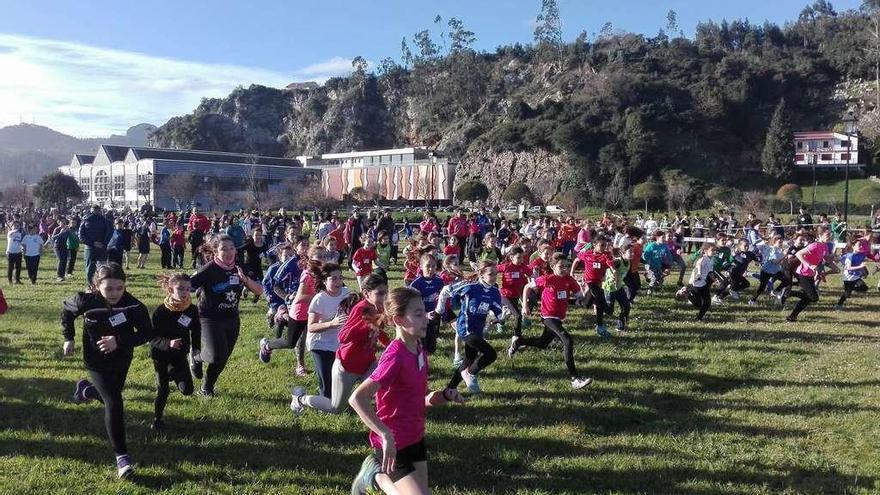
360 403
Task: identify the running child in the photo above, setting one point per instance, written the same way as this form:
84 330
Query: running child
514 277
355 357
429 285
114 323
398 463
555 289
596 261
698 289
811 257
855 269
772 256
615 288
177 328
362 260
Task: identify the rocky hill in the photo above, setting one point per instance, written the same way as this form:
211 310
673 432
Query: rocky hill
596 116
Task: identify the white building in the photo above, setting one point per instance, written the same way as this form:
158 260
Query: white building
826 150
132 176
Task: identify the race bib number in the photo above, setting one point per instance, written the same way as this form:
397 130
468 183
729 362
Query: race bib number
117 319
514 275
184 320
233 280
597 266
563 294
483 308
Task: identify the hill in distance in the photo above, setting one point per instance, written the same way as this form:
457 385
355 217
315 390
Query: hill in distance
28 152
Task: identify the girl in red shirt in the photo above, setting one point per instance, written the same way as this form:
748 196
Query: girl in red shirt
362 259
555 289
356 354
596 262
514 277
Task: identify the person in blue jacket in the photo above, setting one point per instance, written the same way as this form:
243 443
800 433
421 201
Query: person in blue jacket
94 233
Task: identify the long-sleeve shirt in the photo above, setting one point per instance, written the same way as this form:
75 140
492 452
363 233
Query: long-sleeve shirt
170 325
13 242
128 321
702 268
358 338
477 300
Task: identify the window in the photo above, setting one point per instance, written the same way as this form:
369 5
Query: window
118 186
844 144
826 157
144 184
824 144
102 185
800 145
798 158
85 184
844 157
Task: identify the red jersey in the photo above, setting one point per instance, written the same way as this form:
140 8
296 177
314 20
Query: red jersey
555 292
473 227
339 235
362 261
457 227
568 232
635 259
358 337
412 269
513 279
452 250
595 265
538 266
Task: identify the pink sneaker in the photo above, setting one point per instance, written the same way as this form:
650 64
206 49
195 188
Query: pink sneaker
301 370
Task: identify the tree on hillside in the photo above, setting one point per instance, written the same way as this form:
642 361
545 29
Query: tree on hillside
472 190
548 29
516 193
649 192
777 158
680 189
56 188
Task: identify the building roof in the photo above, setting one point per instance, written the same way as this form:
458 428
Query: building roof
819 135
114 153
142 153
83 159
358 154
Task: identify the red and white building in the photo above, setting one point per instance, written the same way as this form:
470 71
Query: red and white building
826 150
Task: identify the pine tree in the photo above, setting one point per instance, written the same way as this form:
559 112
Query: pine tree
549 24
777 158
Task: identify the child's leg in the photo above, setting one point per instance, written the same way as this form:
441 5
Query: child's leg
554 326
162 391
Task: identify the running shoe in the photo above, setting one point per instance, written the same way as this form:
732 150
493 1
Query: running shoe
157 425
124 469
471 381
752 302
602 331
580 382
511 350
499 328
366 477
734 295
265 354
79 395
209 394
838 307
717 300
457 361
790 319
301 370
296 400
621 326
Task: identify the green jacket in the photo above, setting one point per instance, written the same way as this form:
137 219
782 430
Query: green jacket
72 240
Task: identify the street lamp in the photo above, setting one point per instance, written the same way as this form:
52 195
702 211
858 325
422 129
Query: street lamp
850 128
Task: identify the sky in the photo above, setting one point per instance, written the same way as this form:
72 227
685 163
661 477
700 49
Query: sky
95 67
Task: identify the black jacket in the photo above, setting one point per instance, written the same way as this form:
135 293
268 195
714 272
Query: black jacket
131 329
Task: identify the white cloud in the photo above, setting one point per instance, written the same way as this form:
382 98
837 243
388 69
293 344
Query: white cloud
89 91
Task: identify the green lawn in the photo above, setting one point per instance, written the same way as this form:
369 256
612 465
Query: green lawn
831 190
743 403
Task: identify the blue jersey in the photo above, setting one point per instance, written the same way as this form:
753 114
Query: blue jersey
430 289
855 259
288 275
477 300
268 283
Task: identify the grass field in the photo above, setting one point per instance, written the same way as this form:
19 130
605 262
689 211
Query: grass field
742 403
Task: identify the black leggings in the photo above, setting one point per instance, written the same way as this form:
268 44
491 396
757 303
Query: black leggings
218 341
807 295
765 279
71 261
165 258
33 266
700 298
476 350
176 371
620 297
735 283
109 384
553 330
431 334
14 260
178 257
516 314
852 286
633 283
295 329
596 298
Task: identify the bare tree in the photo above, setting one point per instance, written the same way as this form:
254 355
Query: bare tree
754 202
181 187
216 195
257 187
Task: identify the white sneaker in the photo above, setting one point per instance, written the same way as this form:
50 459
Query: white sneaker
578 382
471 381
753 302
511 350
296 400
735 295
716 300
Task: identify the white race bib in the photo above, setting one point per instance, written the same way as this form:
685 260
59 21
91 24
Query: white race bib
184 320
233 280
117 319
421 361
563 294
514 275
597 266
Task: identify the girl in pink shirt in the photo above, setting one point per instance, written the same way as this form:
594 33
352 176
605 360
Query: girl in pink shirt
810 257
399 461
